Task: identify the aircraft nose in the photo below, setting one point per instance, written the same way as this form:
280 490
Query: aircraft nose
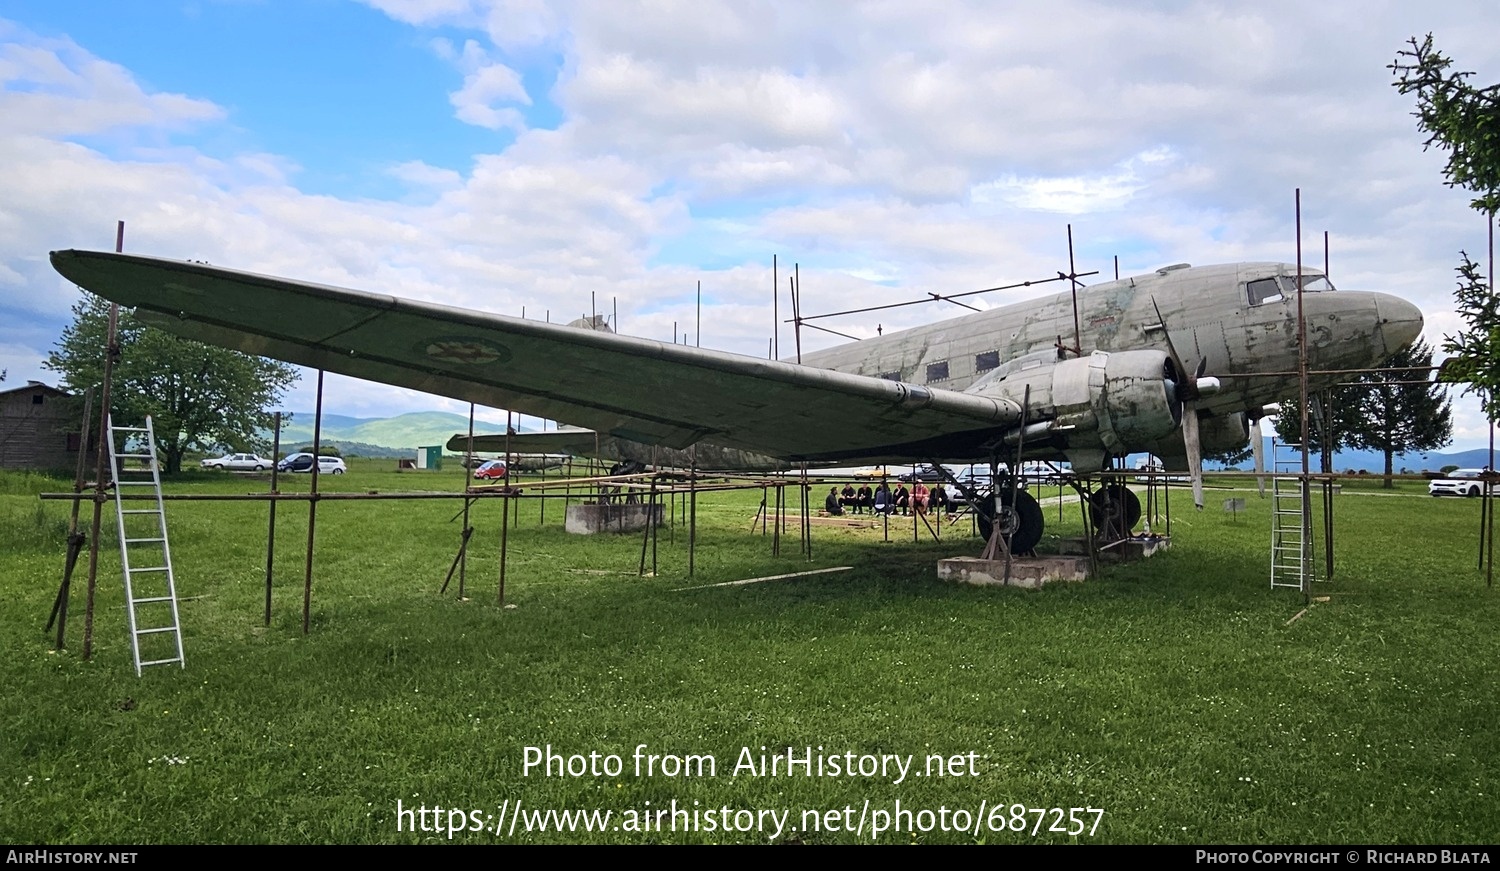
1400 322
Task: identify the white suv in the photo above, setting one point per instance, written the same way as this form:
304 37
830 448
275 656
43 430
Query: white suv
1460 482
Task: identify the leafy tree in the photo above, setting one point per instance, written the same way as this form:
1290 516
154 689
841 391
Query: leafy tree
1401 410
198 396
1231 457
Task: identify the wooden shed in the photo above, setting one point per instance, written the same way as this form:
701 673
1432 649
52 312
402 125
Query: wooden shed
39 428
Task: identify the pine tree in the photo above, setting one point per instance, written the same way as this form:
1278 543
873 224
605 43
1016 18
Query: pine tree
1464 121
1341 405
1401 409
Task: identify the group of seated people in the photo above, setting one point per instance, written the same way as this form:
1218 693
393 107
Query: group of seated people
884 500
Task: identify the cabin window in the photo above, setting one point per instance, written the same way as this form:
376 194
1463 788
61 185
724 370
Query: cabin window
890 376
986 361
36 399
1263 290
937 371
75 440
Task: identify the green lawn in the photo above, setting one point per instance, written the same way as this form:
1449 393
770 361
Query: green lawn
1172 694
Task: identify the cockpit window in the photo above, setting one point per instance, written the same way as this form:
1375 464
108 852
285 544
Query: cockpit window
1263 290
1311 282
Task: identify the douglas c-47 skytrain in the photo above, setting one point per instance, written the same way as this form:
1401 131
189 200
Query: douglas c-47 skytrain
1152 375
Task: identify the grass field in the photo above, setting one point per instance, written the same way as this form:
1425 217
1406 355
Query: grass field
1172 694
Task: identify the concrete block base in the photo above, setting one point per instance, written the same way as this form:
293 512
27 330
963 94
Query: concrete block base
629 517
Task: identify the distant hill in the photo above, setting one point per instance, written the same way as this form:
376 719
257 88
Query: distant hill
1374 461
379 436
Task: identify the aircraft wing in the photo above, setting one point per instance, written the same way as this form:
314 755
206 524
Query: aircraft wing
637 389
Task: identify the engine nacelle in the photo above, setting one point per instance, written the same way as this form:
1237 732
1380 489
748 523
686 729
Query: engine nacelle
1107 404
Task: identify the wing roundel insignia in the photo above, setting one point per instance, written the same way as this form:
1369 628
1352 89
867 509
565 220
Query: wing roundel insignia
464 350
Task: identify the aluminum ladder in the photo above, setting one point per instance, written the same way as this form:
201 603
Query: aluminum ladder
1291 522
145 555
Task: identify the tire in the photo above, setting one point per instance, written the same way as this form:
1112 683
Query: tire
260 468
1028 514
338 471
1473 491
1116 503
217 466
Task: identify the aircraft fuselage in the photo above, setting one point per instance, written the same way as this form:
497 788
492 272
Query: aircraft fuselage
1208 311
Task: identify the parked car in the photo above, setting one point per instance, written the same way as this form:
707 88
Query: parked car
1461 482
238 463
303 463
492 470
1050 474
331 466
977 478
926 474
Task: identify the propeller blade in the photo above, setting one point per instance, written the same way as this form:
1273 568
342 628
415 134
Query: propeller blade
1258 446
1194 450
1187 387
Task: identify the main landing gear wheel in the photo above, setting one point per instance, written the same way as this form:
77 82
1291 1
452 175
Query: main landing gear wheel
1115 509
1022 521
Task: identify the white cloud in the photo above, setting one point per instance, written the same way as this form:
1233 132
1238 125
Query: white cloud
486 83
944 147
1079 194
423 175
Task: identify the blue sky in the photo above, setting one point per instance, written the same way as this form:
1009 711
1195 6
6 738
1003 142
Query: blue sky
339 88
506 154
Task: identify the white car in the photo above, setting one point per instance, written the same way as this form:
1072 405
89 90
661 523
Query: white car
330 466
1459 482
238 463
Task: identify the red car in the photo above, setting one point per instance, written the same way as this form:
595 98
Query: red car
493 470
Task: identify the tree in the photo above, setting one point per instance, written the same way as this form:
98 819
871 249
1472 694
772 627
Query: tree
1401 410
1229 458
1459 118
1393 411
1464 121
198 396
1475 350
1342 407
